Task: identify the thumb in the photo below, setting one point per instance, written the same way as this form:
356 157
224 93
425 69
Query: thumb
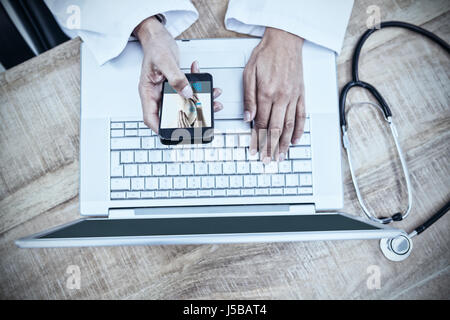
176 78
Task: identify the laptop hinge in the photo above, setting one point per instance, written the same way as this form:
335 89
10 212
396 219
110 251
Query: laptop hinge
214 211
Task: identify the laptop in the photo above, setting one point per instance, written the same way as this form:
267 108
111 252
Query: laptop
136 191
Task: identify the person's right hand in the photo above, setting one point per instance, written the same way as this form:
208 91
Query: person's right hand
160 62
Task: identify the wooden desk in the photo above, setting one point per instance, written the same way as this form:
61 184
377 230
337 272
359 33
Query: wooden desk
39 142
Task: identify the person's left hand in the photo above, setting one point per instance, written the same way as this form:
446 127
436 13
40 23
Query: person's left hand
274 94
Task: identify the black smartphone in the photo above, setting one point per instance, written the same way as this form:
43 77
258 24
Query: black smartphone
187 120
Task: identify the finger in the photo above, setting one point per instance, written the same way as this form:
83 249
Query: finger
195 67
250 99
288 130
276 124
300 117
254 142
176 78
150 95
217 106
217 92
261 123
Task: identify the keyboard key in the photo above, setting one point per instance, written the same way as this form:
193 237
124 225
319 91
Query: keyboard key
144 170
299 153
292 180
306 179
130 170
148 142
242 167
211 155
127 157
207 182
116 125
301 166
142 125
133 195
255 157
204 193
276 191
244 140
247 192
161 194
147 194
305 140
222 182
215 168
137 184
305 191
219 193
272 167
278 180
187 169
176 194
151 184
229 168
144 132
262 192
165 183
117 133
120 184
118 195
201 168
117 171
155 156
264 180
194 182
284 166
236 181
225 154
131 133
140 156
183 155
173 169
257 167
159 169
169 155
125 143
290 191
197 155
179 183
219 141
250 181
190 193
233 192
231 140
239 154
131 125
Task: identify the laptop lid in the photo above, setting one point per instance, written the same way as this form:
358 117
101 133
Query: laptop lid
200 230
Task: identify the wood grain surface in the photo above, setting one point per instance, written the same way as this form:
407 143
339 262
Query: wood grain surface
39 171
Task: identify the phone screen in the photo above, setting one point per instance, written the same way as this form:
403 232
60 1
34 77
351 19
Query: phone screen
178 112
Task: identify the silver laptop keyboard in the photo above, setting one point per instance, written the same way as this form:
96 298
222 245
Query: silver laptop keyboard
143 168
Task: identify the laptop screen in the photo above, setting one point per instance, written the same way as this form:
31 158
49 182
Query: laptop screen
92 228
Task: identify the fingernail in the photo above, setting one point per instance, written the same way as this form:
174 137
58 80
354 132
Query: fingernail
266 160
282 156
196 66
252 152
187 92
297 141
246 116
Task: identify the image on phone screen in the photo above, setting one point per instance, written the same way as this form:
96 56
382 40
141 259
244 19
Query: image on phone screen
178 112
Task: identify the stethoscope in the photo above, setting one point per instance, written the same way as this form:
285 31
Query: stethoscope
397 248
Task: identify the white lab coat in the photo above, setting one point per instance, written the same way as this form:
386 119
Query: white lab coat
106 26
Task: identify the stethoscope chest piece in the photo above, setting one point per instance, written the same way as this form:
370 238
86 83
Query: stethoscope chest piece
396 249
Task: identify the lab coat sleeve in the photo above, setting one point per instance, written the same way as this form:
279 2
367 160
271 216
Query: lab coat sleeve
320 21
106 26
